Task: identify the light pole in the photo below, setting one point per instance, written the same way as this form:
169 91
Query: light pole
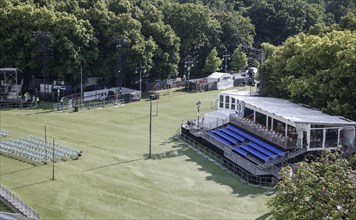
140 69
198 110
120 43
150 127
189 63
43 43
226 57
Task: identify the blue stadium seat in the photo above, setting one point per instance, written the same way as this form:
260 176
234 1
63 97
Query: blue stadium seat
226 137
261 149
234 135
254 152
218 137
240 151
256 140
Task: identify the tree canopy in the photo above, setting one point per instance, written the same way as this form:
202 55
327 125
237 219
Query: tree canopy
159 33
320 189
315 70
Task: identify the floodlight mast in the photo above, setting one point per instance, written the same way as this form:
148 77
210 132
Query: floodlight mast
188 64
226 57
140 69
152 96
122 42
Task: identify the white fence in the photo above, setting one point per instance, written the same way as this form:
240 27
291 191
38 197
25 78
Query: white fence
15 203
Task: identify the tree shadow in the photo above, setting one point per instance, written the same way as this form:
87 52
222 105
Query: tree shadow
16 171
239 187
31 184
112 164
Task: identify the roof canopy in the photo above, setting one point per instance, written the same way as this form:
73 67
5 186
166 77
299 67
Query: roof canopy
218 75
289 110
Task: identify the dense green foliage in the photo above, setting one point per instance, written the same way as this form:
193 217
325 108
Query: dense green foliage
163 33
160 33
316 70
213 62
322 189
238 59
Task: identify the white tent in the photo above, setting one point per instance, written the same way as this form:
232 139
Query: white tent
223 80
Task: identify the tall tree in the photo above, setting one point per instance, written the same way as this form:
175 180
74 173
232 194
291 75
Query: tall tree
196 27
275 20
239 59
213 62
321 189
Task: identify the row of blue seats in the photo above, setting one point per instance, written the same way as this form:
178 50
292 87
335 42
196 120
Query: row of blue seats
256 140
261 149
228 138
232 134
218 138
240 151
215 135
254 152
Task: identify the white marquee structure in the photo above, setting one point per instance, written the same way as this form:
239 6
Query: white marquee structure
285 123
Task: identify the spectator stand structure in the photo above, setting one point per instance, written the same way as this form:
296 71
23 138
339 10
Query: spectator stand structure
35 150
254 137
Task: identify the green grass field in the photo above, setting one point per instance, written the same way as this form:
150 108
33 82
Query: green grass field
114 179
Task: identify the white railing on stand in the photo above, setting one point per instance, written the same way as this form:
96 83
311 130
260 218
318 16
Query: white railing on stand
17 204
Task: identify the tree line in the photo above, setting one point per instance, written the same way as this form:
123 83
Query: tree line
162 34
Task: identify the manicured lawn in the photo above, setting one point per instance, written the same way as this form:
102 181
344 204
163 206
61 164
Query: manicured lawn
114 179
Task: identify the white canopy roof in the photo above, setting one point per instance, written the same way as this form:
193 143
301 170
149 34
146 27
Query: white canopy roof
218 75
289 110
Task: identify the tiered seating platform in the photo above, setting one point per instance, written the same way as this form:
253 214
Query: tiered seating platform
35 149
246 145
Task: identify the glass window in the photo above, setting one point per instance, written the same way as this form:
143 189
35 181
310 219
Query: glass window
233 105
221 102
227 102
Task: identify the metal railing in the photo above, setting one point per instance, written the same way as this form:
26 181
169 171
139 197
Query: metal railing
287 143
72 104
17 204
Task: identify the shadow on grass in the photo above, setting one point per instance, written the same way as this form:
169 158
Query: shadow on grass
179 149
113 164
220 176
265 216
217 175
32 184
16 171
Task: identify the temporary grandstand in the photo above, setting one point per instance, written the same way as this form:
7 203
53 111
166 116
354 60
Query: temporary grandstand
255 136
37 150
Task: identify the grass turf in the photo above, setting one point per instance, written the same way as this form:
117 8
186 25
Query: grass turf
114 179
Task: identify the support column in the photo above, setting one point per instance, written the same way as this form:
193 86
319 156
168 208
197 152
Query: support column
286 131
267 122
254 115
324 137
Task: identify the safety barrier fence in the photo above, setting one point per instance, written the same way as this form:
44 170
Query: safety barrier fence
16 204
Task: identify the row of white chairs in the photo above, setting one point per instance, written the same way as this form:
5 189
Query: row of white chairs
37 150
4 133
